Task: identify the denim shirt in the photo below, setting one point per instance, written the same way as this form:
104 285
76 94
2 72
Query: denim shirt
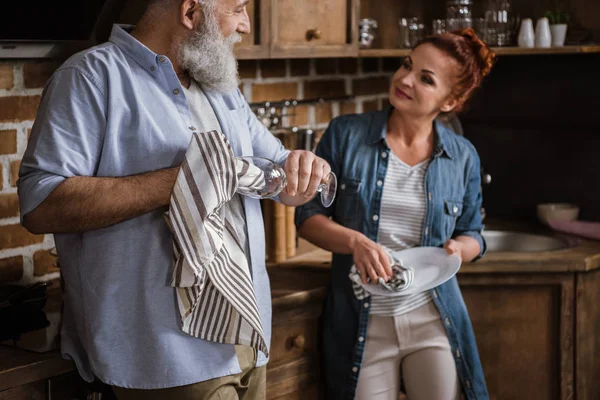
355 147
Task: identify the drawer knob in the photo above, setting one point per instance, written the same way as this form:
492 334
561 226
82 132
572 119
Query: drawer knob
313 34
298 341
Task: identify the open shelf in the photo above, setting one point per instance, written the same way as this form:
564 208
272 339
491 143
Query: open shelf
498 50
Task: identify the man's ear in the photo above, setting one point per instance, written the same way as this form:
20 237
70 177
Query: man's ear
191 14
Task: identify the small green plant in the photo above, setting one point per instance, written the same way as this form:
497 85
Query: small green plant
557 17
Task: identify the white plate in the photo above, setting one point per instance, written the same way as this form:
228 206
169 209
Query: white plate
432 267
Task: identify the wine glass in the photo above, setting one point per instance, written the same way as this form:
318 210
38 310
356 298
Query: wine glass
261 178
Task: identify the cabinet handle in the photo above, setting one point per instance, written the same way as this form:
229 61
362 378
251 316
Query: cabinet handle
313 34
298 342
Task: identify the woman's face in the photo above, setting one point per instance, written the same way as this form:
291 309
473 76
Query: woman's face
423 84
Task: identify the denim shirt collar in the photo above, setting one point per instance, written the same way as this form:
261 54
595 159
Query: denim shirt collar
377 132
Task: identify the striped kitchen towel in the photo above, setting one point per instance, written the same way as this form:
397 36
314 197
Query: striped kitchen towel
211 275
401 279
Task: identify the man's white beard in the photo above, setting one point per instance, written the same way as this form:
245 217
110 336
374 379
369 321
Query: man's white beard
208 57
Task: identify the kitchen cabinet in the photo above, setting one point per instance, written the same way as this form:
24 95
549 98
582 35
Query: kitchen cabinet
313 28
537 333
329 28
293 371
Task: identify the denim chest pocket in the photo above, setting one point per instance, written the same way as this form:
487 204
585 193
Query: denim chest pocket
346 208
452 210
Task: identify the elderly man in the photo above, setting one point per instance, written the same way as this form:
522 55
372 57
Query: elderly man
112 129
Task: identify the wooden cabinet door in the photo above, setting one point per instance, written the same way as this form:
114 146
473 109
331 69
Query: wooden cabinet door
523 327
256 44
313 28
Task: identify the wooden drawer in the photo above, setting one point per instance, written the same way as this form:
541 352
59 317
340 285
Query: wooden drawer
298 379
313 27
294 340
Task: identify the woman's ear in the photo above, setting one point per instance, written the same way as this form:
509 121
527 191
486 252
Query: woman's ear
450 105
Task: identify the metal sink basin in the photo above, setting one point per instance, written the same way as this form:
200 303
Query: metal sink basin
512 241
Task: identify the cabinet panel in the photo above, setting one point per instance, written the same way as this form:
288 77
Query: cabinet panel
313 27
523 328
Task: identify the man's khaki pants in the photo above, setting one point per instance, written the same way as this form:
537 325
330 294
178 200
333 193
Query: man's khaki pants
250 384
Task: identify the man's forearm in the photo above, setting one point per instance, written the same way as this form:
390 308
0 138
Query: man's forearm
85 203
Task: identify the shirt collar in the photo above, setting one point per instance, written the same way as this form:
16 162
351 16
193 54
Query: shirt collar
135 49
377 132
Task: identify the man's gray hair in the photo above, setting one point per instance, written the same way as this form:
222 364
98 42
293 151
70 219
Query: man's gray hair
208 5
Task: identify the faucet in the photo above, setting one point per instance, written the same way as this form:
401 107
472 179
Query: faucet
486 179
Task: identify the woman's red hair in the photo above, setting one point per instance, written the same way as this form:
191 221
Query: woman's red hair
474 57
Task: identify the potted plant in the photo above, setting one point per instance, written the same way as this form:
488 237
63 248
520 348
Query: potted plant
558 26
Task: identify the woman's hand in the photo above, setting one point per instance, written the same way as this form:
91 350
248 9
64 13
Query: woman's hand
454 247
370 259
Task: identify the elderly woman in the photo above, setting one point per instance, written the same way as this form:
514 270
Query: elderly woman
405 180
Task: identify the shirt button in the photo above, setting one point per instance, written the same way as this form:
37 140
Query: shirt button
429 195
447 321
343 186
384 154
379 182
366 305
427 230
468 384
457 353
354 369
193 128
176 91
152 68
162 59
361 339
454 209
375 217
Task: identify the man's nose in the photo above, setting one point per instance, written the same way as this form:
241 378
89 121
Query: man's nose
244 26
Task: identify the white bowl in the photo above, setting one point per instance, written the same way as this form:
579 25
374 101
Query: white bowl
557 211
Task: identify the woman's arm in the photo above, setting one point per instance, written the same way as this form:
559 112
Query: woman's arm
370 258
466 240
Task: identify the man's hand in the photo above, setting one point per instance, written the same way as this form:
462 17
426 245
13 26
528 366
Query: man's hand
305 172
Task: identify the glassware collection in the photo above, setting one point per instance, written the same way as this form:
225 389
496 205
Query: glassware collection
498 25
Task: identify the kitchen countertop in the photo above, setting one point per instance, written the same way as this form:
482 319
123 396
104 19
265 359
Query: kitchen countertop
582 255
19 367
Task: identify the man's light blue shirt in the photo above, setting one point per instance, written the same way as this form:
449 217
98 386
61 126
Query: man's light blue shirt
114 110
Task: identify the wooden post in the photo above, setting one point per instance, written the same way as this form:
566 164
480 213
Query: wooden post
279 232
290 234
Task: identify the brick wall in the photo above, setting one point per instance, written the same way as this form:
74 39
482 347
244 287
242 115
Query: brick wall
27 258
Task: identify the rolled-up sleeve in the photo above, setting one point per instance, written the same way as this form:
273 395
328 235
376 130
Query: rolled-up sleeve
327 150
470 222
66 137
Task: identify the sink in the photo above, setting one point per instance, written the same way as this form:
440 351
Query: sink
513 241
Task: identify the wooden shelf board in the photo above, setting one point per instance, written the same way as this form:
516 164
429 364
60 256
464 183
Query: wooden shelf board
498 50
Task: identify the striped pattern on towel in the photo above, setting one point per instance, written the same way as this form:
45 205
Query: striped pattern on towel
214 291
